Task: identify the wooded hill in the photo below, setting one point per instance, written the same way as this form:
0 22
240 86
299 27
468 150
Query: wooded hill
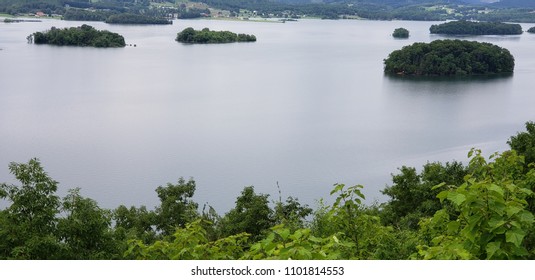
505 10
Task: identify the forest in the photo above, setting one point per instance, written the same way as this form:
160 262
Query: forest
483 209
83 36
207 36
476 28
450 58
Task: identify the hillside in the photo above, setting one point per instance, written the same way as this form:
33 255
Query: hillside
424 10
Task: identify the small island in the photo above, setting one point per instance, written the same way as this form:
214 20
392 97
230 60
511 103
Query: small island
463 27
84 36
449 58
531 29
207 36
401 33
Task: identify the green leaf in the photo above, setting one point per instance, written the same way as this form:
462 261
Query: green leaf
443 195
496 188
337 188
453 227
492 248
526 217
438 186
457 198
496 222
512 210
515 236
284 233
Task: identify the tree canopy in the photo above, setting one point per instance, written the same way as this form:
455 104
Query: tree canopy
84 36
207 36
400 33
463 27
482 210
128 18
448 58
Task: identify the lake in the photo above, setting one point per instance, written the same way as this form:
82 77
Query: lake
306 106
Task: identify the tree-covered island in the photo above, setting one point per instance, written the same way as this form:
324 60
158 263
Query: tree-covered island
207 36
463 27
400 33
449 58
84 36
531 29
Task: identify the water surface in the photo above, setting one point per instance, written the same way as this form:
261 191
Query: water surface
307 106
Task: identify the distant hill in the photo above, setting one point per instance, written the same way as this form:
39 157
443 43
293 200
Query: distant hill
503 3
515 4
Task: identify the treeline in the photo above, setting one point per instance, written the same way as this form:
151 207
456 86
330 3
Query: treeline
207 36
127 18
84 36
476 28
449 57
368 9
87 15
14 7
482 210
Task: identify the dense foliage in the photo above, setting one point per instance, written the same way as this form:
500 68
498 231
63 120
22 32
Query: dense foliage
449 57
484 210
126 18
504 10
531 29
86 15
476 28
85 36
400 33
207 36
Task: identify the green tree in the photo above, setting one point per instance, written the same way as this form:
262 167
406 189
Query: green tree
29 223
176 206
412 196
251 214
524 143
491 220
291 213
135 223
85 231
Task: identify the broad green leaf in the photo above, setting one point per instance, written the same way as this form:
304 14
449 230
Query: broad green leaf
498 207
284 233
496 222
438 186
453 227
492 248
512 210
443 195
515 236
457 198
337 188
496 188
526 217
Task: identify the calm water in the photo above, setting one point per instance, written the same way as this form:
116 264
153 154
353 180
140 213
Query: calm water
307 105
